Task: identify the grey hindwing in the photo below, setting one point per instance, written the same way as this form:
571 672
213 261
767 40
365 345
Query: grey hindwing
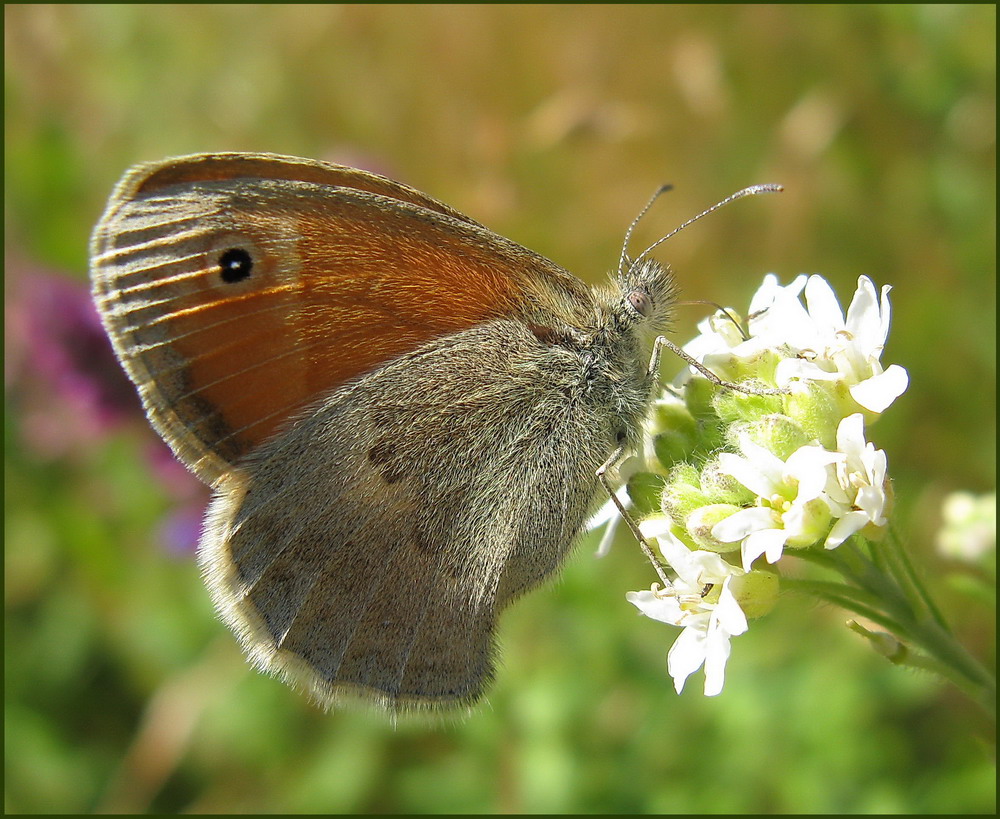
378 537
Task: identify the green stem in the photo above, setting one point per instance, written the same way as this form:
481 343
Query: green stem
844 596
942 645
852 563
825 587
885 589
911 575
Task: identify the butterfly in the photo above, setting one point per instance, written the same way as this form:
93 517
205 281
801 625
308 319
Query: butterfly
402 414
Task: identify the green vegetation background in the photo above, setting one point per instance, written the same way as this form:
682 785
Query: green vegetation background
552 125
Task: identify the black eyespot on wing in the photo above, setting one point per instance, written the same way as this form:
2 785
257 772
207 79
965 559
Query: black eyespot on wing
235 265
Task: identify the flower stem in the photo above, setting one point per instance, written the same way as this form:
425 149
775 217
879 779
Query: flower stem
847 597
881 585
913 578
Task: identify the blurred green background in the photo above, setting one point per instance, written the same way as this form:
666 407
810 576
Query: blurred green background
552 125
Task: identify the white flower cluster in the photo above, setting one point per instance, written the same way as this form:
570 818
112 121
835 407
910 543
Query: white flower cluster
801 473
813 342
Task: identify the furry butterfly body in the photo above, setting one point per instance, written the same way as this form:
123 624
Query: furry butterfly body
402 413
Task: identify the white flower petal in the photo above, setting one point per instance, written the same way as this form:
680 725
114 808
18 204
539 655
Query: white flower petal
760 471
775 544
845 527
727 620
878 467
871 501
797 522
655 527
808 467
664 608
879 391
716 655
686 655
771 288
711 568
768 542
682 560
605 514
608 516
747 473
791 369
604 547
740 524
886 314
851 435
824 308
864 320
786 324
728 612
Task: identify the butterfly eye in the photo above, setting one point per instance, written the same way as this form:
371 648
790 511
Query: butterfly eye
236 264
641 302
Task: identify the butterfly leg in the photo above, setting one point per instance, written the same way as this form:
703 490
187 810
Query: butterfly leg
654 365
615 458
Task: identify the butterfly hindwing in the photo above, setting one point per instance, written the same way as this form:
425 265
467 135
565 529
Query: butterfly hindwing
370 547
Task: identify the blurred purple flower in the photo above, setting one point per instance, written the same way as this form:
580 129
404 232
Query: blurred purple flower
60 369
69 391
180 529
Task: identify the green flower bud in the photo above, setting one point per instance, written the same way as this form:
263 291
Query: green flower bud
733 406
673 446
698 395
818 408
778 434
720 487
670 415
683 493
674 435
700 522
886 644
760 367
807 524
645 489
756 592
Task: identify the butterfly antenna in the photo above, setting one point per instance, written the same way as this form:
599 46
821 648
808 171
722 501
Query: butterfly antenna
628 233
751 191
724 310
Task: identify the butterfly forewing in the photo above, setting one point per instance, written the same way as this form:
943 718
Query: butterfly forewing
239 290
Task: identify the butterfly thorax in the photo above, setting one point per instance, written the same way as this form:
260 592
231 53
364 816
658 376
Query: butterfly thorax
615 351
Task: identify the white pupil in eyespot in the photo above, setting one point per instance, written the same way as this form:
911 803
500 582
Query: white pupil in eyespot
236 265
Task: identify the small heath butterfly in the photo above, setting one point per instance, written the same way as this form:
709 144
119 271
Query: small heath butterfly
402 414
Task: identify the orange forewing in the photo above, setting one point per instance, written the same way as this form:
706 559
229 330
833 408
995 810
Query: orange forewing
345 277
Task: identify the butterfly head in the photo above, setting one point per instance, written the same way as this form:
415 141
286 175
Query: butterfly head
645 296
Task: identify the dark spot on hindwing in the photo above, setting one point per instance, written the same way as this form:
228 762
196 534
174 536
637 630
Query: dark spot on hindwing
421 542
383 456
